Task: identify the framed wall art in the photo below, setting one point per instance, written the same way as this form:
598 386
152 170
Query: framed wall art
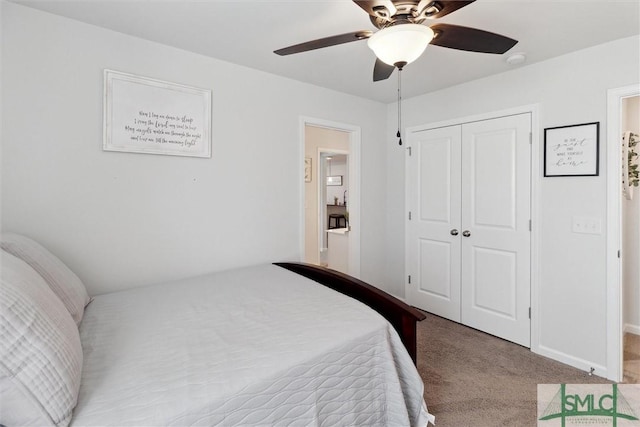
307 169
572 150
144 115
334 180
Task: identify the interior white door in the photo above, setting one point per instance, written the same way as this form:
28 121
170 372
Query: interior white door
468 236
432 235
496 250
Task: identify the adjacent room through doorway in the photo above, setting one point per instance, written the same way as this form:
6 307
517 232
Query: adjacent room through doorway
630 234
331 196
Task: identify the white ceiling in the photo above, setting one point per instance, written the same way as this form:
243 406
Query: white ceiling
247 32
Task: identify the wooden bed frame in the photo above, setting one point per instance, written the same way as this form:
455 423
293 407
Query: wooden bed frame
402 316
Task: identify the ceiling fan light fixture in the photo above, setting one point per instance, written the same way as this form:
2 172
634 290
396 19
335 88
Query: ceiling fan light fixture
402 43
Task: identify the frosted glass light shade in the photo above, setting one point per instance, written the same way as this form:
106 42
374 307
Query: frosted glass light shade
400 43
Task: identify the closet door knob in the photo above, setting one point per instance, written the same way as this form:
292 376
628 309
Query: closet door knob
454 232
466 233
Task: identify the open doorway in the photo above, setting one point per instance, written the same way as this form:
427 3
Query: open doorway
330 229
630 240
623 248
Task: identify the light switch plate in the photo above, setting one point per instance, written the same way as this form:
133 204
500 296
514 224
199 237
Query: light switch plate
586 225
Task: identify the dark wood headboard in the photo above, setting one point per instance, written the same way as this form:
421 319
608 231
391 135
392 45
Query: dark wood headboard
403 317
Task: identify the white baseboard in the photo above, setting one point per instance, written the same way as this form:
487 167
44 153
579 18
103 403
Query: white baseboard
631 329
583 365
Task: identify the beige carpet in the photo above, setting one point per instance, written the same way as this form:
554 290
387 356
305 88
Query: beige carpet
473 379
631 358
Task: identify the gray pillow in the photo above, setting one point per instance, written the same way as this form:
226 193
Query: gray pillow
62 281
40 350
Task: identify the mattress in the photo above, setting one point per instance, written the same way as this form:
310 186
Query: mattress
254 346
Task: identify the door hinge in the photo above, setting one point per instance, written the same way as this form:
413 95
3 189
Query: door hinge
529 312
409 148
618 253
530 138
409 278
529 225
409 215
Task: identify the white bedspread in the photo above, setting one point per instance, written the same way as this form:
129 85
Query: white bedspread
255 346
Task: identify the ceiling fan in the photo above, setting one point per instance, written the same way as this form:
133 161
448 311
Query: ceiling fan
403 34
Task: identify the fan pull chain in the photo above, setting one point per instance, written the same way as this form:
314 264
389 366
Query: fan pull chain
398 134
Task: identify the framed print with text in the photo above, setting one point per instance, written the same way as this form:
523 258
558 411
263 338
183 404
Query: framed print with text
572 150
143 115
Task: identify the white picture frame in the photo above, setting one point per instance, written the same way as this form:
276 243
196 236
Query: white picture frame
335 180
150 116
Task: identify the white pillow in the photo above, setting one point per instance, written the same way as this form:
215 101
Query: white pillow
40 350
66 285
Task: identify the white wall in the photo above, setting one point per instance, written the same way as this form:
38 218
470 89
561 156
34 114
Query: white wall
631 230
121 220
569 89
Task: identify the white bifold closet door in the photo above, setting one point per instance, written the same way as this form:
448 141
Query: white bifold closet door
468 230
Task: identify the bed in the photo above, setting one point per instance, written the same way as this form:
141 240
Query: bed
261 345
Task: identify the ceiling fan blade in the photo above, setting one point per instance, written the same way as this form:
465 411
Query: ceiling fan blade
382 70
325 42
437 9
384 9
470 39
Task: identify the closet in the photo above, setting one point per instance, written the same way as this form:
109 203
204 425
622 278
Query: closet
468 254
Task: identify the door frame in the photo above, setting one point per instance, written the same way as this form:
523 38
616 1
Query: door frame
355 141
536 174
614 230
